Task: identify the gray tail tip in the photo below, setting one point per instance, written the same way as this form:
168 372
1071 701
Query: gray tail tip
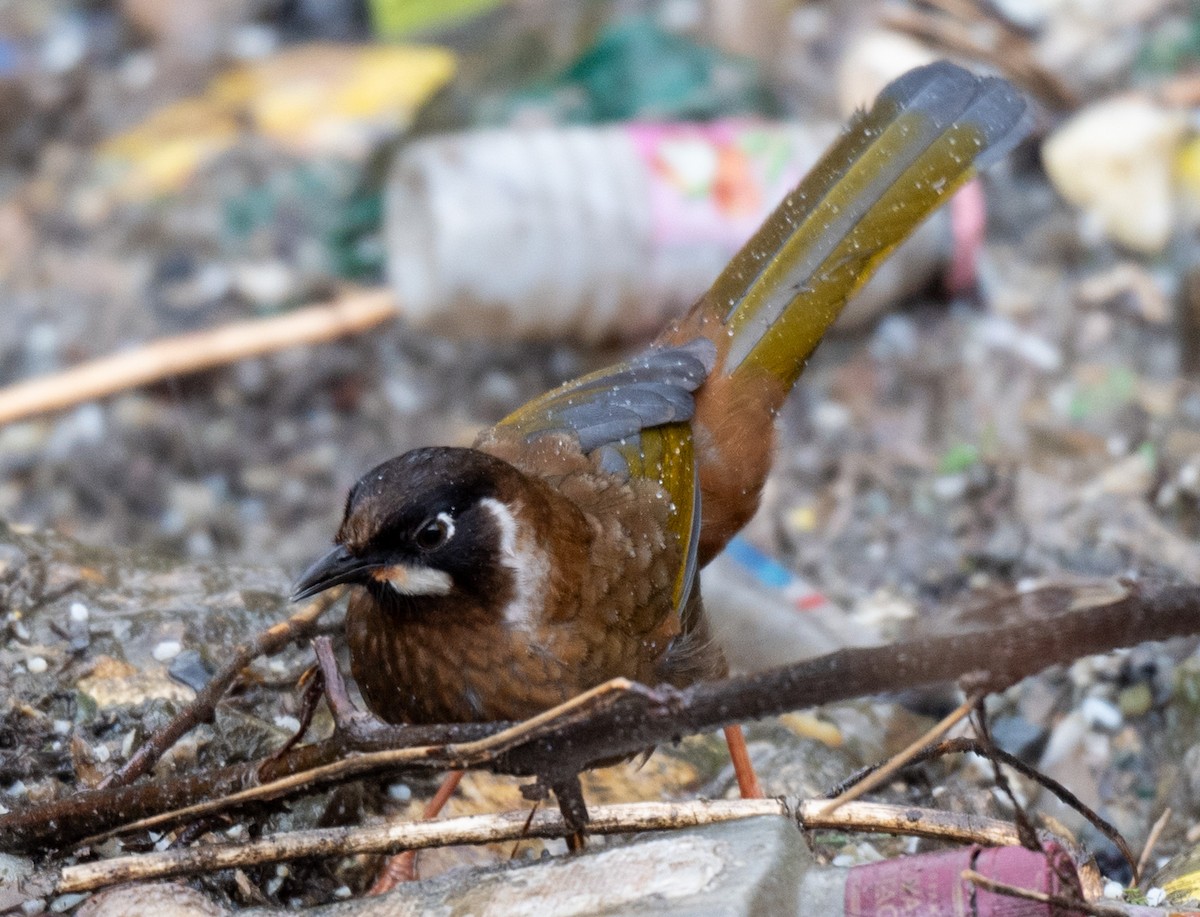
953 95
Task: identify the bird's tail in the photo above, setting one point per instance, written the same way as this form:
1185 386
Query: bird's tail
928 133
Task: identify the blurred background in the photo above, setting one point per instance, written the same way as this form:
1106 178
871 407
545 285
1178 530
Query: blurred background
541 184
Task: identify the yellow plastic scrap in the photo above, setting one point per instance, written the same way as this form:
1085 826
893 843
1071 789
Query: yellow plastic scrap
1187 174
166 149
318 99
1179 878
336 98
396 18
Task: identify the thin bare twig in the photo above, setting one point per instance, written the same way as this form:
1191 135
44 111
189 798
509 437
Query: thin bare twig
486 829
1068 902
904 757
456 757
1025 828
1008 51
201 709
471 829
1049 626
910 821
350 313
966 745
1151 840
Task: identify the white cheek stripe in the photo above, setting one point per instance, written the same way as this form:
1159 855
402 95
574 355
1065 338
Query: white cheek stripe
408 580
529 565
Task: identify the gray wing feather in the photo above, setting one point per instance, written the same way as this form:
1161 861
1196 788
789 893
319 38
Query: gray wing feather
652 389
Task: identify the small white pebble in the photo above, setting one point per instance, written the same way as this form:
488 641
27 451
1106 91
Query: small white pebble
1100 713
342 891
1113 889
33 906
949 486
4 810
290 723
64 903
62 727
20 631
1189 476
399 792
830 417
127 744
17 788
1166 496
101 754
79 612
1155 896
37 665
167 649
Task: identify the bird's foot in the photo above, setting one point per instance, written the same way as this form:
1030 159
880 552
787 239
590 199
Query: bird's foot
403 866
574 811
352 722
576 842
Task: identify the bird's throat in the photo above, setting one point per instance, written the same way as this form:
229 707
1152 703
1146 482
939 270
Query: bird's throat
413 580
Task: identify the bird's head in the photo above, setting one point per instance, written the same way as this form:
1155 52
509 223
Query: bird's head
429 524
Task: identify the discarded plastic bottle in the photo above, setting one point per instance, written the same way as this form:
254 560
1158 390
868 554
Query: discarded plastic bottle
598 232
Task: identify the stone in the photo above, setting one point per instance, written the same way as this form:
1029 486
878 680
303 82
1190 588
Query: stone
150 899
748 867
1115 160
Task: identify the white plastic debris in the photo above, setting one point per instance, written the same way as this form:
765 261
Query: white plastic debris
1115 160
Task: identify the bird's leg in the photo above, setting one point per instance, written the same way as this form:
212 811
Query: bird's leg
355 723
743 768
403 866
569 794
968 225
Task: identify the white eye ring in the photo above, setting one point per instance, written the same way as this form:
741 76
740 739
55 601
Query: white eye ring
435 532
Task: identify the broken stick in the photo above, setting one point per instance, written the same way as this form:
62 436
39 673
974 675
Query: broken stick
350 313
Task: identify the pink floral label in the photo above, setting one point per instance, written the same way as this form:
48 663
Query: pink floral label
715 183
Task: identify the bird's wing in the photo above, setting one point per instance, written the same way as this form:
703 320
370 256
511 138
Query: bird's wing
633 417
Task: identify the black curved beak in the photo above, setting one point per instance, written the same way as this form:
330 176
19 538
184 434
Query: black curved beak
336 567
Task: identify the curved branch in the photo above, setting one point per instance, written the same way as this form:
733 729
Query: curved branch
1050 626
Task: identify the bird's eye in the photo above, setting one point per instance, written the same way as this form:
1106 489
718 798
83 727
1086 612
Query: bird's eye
435 532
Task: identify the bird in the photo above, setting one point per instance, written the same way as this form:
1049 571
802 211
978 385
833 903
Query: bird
563 549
